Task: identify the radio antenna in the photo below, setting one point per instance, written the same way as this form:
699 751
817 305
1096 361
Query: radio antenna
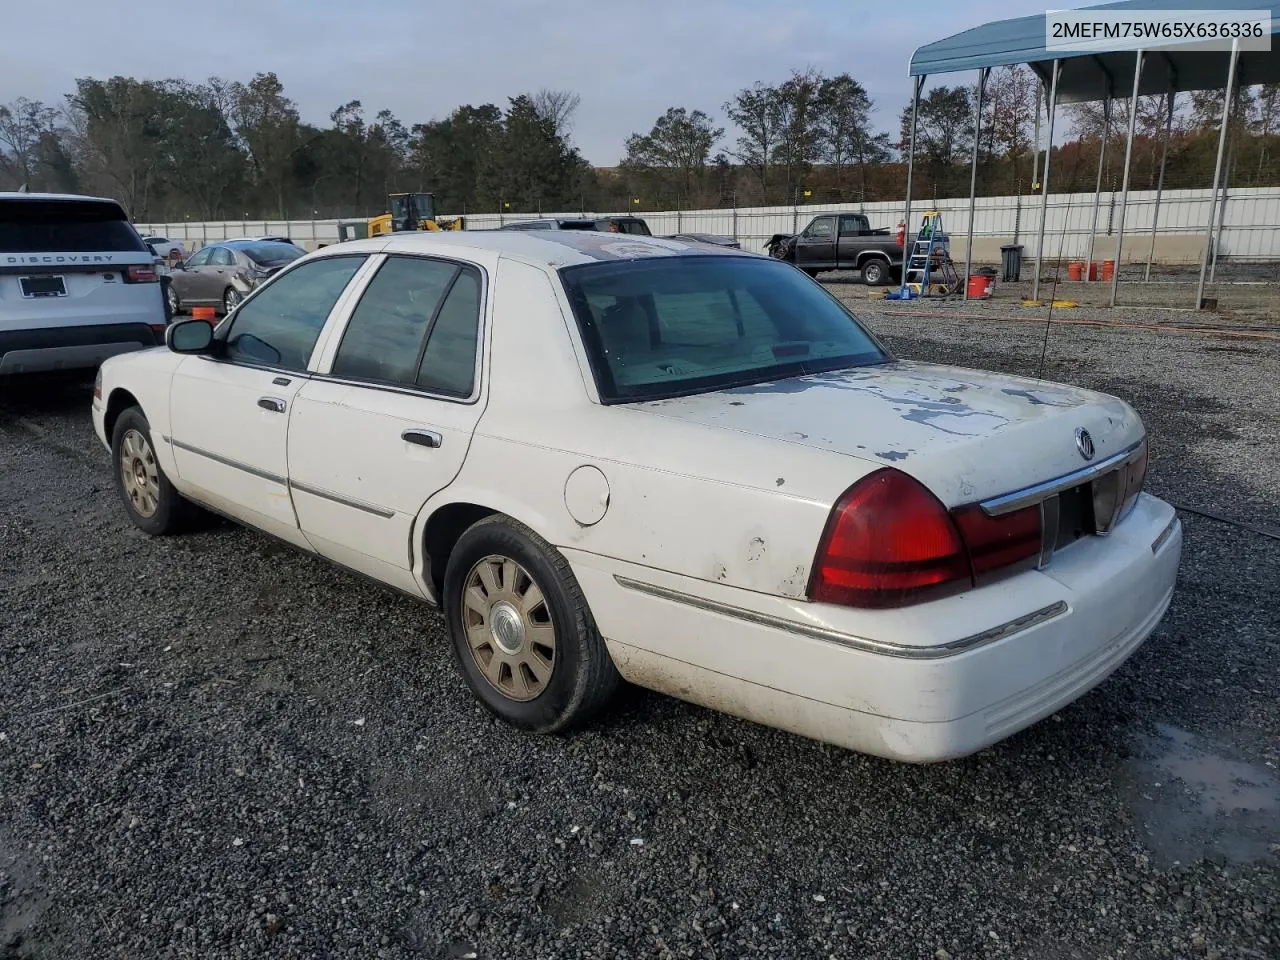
1053 292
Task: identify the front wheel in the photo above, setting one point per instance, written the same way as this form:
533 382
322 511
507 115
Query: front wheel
875 272
152 503
521 631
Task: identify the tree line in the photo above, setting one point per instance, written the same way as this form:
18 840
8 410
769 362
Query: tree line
220 149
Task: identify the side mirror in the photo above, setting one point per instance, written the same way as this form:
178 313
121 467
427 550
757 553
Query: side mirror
189 336
178 264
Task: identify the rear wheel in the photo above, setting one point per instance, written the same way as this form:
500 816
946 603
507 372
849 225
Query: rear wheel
875 272
521 631
175 301
152 503
231 299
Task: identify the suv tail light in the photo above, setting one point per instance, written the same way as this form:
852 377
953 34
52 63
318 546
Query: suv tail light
889 542
141 274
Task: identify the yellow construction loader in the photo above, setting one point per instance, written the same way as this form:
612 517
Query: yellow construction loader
411 211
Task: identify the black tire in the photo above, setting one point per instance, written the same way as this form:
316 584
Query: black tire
875 272
172 300
581 678
230 299
171 512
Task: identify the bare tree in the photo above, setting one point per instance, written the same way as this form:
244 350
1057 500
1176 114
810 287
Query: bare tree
557 107
22 124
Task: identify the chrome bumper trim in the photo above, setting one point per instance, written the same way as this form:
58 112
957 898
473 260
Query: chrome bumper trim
1165 534
1027 496
883 648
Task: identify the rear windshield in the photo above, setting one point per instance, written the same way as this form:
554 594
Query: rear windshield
671 326
270 252
65 226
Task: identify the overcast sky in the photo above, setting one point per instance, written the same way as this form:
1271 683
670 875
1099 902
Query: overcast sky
422 58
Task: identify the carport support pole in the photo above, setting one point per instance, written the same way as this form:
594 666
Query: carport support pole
911 156
1217 167
1097 189
973 177
1226 192
1035 152
1128 157
1164 156
1044 181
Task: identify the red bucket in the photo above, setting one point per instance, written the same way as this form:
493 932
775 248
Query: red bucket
979 286
1075 270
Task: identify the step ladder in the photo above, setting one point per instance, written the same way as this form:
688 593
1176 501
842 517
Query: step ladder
930 271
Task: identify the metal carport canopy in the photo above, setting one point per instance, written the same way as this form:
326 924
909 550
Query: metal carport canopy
1088 76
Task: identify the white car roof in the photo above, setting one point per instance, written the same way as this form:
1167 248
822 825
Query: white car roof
550 248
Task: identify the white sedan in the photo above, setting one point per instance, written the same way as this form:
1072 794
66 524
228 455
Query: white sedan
683 466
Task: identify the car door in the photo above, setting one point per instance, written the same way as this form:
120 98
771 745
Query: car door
229 410
850 242
389 423
187 279
205 287
816 246
217 276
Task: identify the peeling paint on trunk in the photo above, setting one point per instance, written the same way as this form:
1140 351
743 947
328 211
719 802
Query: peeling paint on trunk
967 434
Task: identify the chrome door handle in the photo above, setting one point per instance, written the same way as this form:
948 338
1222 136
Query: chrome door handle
274 404
423 438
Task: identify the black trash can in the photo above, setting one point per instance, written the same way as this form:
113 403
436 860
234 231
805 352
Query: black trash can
1011 262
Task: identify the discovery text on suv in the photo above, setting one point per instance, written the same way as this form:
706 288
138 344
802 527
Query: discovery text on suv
77 284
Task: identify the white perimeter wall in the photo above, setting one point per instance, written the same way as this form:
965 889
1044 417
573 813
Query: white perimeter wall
1252 224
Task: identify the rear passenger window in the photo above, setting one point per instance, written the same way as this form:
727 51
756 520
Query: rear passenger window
280 326
385 335
449 362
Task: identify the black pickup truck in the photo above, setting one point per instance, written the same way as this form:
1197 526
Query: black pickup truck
843 241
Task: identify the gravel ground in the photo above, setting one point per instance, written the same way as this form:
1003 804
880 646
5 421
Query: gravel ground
214 747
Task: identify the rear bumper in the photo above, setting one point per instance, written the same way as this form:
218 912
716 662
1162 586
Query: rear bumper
930 683
71 348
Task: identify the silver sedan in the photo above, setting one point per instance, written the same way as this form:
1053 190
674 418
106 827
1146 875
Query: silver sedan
220 275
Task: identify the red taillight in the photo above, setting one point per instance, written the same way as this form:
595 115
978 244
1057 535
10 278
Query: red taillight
998 543
889 542
141 275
